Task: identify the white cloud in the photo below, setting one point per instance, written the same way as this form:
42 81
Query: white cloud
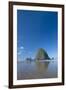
21 47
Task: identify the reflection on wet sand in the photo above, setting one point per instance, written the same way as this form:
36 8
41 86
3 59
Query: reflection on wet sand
36 70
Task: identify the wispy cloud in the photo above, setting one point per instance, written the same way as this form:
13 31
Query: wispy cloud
19 53
20 50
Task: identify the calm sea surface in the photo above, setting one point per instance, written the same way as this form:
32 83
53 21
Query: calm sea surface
37 69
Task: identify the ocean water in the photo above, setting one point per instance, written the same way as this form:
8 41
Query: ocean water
37 69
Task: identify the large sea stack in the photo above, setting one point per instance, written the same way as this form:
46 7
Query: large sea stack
41 54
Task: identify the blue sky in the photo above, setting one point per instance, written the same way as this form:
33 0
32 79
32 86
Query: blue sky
36 29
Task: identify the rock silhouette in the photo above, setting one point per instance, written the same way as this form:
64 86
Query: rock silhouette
41 54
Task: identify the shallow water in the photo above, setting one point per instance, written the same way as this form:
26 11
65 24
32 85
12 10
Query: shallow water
36 69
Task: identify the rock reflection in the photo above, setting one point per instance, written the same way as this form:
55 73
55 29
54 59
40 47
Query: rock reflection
42 66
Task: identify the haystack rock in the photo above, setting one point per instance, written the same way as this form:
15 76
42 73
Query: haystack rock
42 55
